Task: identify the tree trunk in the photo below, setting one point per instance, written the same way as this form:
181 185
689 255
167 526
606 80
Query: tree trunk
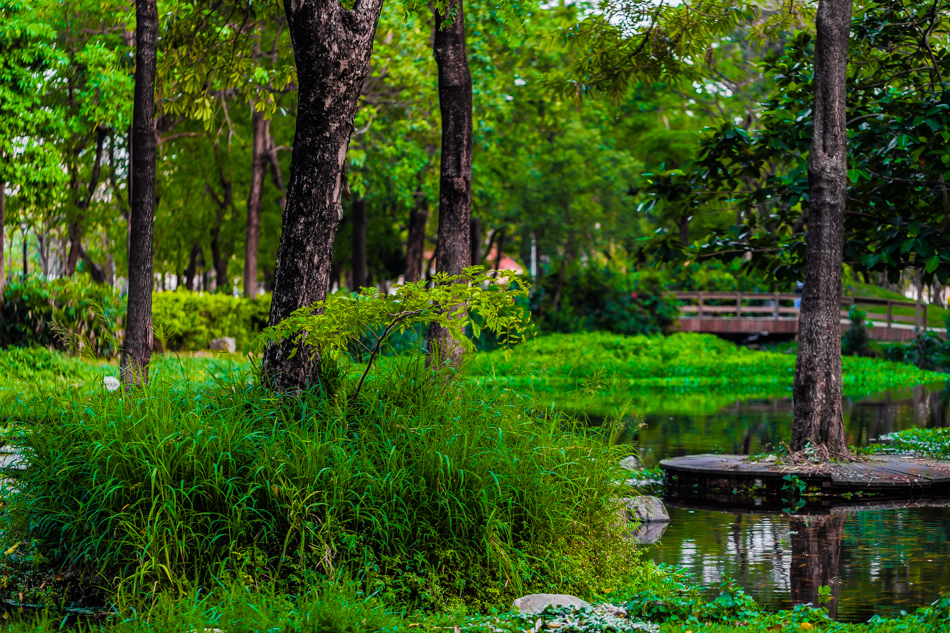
139 337
359 244
475 241
3 276
683 224
75 227
455 177
252 230
332 48
416 241
817 389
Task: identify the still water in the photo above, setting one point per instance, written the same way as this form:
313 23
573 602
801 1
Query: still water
876 561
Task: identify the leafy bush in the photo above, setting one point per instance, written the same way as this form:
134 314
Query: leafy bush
928 351
191 320
37 312
425 488
602 299
856 340
31 307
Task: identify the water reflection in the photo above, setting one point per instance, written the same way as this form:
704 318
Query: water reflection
756 426
873 561
816 556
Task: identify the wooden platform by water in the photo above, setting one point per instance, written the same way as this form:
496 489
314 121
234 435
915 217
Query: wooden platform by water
738 481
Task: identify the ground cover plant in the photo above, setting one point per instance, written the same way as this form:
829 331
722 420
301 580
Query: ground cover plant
427 490
607 374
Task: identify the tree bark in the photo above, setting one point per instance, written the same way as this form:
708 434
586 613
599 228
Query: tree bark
475 241
818 385
332 48
455 177
252 230
139 336
359 244
416 240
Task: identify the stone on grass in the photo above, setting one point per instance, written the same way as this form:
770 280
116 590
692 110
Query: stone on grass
223 344
538 602
645 509
631 462
111 383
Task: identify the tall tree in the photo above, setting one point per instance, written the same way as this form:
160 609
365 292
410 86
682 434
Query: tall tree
332 48
453 249
817 389
359 243
139 336
416 239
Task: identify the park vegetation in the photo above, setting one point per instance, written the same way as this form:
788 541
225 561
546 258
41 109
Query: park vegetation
358 466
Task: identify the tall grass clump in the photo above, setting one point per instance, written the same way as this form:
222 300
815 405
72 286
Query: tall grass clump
422 488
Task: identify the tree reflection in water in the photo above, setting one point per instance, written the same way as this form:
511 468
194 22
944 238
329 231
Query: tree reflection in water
816 556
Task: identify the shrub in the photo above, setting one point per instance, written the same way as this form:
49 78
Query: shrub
36 312
191 320
426 489
856 340
32 306
592 298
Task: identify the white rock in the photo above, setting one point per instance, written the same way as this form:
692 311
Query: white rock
111 383
538 602
645 509
223 344
631 462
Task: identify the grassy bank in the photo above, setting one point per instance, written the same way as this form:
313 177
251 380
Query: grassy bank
429 492
607 374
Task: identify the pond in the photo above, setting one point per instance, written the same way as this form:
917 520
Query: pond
875 561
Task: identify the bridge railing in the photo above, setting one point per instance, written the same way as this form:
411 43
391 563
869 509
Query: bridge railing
889 313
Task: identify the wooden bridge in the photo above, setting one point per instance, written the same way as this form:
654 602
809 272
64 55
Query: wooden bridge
777 313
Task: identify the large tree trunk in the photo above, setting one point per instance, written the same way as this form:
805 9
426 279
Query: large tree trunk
817 390
252 231
359 244
416 241
332 47
138 327
455 177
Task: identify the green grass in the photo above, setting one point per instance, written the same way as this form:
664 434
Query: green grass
428 490
608 374
929 442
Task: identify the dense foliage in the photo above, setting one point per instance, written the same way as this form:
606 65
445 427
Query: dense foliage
433 488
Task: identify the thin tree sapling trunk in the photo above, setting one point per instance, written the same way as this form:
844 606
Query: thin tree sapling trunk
818 383
359 244
455 176
332 48
416 240
3 201
252 229
139 336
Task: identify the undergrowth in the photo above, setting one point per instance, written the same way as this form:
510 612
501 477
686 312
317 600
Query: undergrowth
428 491
603 373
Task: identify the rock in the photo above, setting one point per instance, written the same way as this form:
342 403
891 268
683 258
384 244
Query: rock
611 610
111 383
538 602
631 462
223 344
648 533
645 509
